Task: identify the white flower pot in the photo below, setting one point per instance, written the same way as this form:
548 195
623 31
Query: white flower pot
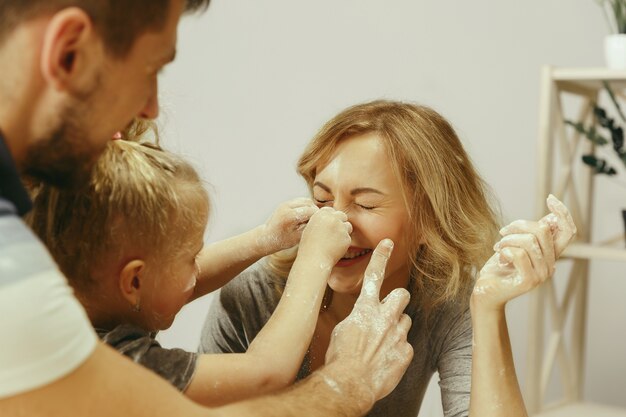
615 51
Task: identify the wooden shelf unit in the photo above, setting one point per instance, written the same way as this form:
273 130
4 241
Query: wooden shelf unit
558 160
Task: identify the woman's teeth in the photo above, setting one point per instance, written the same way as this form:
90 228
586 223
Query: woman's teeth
356 254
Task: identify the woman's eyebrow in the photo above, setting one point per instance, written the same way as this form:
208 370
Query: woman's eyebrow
364 190
322 186
360 190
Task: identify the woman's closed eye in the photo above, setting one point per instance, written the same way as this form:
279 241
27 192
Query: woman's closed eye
366 207
323 202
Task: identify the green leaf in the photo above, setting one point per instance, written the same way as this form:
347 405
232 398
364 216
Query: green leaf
590 133
599 165
622 157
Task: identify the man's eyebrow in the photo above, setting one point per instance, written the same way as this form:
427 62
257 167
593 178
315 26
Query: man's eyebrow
360 190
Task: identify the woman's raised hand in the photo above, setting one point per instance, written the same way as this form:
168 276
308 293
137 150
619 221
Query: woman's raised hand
524 257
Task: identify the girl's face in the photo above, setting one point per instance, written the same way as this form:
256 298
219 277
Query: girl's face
173 279
359 181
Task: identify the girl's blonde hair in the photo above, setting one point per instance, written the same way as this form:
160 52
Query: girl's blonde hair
452 226
139 200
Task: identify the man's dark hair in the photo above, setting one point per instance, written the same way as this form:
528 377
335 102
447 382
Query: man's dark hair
119 22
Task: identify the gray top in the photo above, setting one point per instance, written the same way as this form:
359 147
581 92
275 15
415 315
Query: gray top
176 366
445 345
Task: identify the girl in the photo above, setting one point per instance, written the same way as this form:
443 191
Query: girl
131 246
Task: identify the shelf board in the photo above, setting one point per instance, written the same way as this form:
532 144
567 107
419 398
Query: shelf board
583 410
588 74
589 251
589 78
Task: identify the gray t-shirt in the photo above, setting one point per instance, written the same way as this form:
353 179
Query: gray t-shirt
445 345
176 366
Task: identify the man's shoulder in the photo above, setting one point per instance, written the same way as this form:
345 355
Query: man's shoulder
7 208
22 254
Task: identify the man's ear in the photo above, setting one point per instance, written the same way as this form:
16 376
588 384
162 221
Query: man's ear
131 282
72 52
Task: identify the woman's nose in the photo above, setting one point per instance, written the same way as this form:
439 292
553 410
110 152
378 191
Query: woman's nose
345 207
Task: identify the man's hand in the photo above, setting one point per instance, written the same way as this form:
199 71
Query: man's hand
371 344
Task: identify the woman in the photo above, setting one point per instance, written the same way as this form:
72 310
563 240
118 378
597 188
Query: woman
399 171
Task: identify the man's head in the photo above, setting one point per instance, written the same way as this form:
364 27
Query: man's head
77 71
119 22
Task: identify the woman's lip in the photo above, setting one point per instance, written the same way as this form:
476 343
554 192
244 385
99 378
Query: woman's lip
353 249
350 262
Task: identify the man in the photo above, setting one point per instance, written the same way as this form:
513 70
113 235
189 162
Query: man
72 74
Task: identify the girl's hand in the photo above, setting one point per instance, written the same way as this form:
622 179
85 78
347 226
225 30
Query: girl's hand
525 257
326 236
284 227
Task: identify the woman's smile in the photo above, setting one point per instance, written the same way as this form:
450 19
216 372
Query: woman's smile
354 255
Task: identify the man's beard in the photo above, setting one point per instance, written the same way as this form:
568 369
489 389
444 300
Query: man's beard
64 158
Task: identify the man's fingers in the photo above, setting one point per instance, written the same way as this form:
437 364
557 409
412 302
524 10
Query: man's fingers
395 303
375 271
404 324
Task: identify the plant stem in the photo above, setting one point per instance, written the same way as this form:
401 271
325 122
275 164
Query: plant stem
603 6
607 87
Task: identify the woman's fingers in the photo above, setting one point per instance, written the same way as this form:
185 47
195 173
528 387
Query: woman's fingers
562 223
537 242
524 274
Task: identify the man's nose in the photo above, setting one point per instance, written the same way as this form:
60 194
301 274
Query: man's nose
151 108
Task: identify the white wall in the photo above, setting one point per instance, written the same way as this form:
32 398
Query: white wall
255 79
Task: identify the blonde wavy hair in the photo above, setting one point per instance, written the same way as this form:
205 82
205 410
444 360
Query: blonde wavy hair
140 197
452 224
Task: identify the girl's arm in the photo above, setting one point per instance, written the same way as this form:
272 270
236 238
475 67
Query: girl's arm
222 261
275 355
524 259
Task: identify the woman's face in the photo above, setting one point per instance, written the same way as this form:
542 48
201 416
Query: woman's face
359 181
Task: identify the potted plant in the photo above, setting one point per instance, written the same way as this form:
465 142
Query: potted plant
615 43
615 131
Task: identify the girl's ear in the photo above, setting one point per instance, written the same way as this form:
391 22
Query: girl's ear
131 280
